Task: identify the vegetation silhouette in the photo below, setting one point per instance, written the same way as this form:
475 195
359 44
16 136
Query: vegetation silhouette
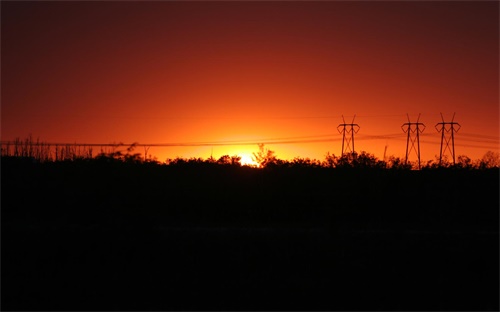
42 152
118 231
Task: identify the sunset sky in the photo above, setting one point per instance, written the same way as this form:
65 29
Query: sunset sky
229 73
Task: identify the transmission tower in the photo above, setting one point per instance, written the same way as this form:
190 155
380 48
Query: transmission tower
348 131
413 129
449 128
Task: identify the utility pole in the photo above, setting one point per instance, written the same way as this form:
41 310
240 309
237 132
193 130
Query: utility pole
413 129
350 130
449 128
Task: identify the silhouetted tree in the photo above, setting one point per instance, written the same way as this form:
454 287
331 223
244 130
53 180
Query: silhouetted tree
229 160
394 162
119 155
330 161
236 160
367 160
305 163
176 161
224 160
490 160
464 162
264 157
346 160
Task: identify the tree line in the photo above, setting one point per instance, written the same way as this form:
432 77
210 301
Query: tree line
264 158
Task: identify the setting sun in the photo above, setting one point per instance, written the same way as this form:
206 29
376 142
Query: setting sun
247 160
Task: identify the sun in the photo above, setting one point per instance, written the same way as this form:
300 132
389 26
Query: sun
246 160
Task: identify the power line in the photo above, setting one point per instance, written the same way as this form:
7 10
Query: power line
280 140
190 144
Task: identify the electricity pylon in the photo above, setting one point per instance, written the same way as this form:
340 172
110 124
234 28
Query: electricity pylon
413 129
449 128
349 129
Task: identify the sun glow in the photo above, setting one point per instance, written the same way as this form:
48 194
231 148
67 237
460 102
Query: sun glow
247 160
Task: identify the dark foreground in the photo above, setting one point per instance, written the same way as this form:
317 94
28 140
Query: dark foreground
117 237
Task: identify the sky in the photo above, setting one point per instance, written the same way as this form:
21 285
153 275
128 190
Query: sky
218 77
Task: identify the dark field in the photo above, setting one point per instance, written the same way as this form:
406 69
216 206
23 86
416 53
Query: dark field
97 235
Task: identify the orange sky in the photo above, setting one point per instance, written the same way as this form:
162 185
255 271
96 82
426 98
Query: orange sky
183 72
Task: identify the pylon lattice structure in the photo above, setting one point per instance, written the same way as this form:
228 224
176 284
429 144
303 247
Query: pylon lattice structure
413 129
348 131
447 130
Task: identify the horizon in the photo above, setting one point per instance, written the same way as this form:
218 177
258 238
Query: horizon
145 151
